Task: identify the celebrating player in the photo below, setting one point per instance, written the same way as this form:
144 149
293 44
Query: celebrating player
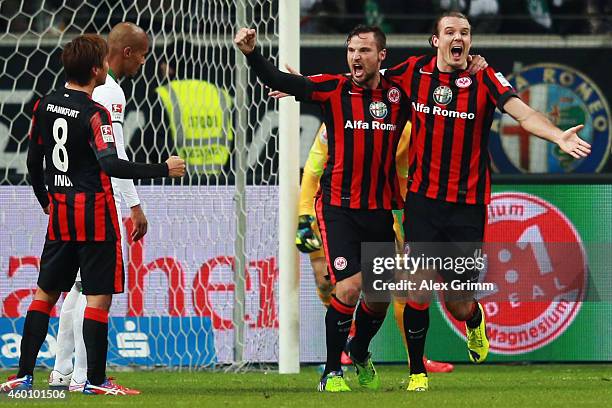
307 235
74 136
450 170
364 117
128 45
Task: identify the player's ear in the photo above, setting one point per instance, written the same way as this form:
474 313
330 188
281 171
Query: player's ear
434 41
96 73
382 54
127 51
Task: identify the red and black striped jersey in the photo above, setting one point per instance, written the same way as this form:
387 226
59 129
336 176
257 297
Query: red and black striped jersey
363 130
451 119
74 132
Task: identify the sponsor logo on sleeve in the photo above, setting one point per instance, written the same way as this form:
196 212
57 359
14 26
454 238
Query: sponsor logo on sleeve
107 133
323 135
502 79
117 112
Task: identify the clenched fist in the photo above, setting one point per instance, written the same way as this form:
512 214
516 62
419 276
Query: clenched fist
176 166
245 40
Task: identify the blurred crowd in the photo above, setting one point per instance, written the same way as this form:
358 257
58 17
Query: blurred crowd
317 16
487 16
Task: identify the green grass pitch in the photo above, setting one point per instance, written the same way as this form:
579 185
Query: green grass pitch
469 386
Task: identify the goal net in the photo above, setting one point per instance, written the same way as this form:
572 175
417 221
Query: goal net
201 287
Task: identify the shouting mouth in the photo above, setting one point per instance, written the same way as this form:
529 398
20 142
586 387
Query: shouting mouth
358 71
456 52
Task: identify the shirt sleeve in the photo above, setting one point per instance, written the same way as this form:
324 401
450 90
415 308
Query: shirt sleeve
402 73
272 77
125 186
101 137
115 103
322 87
317 156
35 162
313 170
498 88
112 99
401 158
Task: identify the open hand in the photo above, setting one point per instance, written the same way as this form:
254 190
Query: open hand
572 144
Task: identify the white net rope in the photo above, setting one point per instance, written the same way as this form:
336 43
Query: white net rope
194 97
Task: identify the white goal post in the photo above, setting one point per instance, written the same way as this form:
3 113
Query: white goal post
289 170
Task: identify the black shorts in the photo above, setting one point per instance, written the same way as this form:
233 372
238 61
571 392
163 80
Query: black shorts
457 228
344 229
101 266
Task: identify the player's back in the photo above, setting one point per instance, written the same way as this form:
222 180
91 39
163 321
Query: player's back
63 123
75 132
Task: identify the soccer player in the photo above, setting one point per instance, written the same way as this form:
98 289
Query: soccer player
73 135
364 115
449 185
308 235
128 45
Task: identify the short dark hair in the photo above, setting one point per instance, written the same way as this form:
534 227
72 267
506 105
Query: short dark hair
379 35
435 30
82 54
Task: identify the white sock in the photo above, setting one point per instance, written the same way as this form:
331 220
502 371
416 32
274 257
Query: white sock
65 336
80 353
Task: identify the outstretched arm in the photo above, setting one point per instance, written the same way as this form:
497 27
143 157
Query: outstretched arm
268 74
115 167
537 124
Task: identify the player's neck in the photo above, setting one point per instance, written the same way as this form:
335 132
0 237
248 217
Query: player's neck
115 66
371 83
112 72
444 67
88 89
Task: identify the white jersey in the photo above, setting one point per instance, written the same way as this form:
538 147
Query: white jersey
111 96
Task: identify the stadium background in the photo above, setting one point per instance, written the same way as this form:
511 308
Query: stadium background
179 308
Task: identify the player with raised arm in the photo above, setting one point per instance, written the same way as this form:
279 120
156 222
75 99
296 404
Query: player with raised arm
73 135
128 45
364 115
449 186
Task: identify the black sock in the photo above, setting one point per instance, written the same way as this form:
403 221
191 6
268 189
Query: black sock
338 320
474 321
95 334
367 324
416 323
34 334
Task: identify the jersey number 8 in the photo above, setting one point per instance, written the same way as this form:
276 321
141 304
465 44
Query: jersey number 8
60 135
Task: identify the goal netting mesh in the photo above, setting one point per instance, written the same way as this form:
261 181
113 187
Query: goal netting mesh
187 303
